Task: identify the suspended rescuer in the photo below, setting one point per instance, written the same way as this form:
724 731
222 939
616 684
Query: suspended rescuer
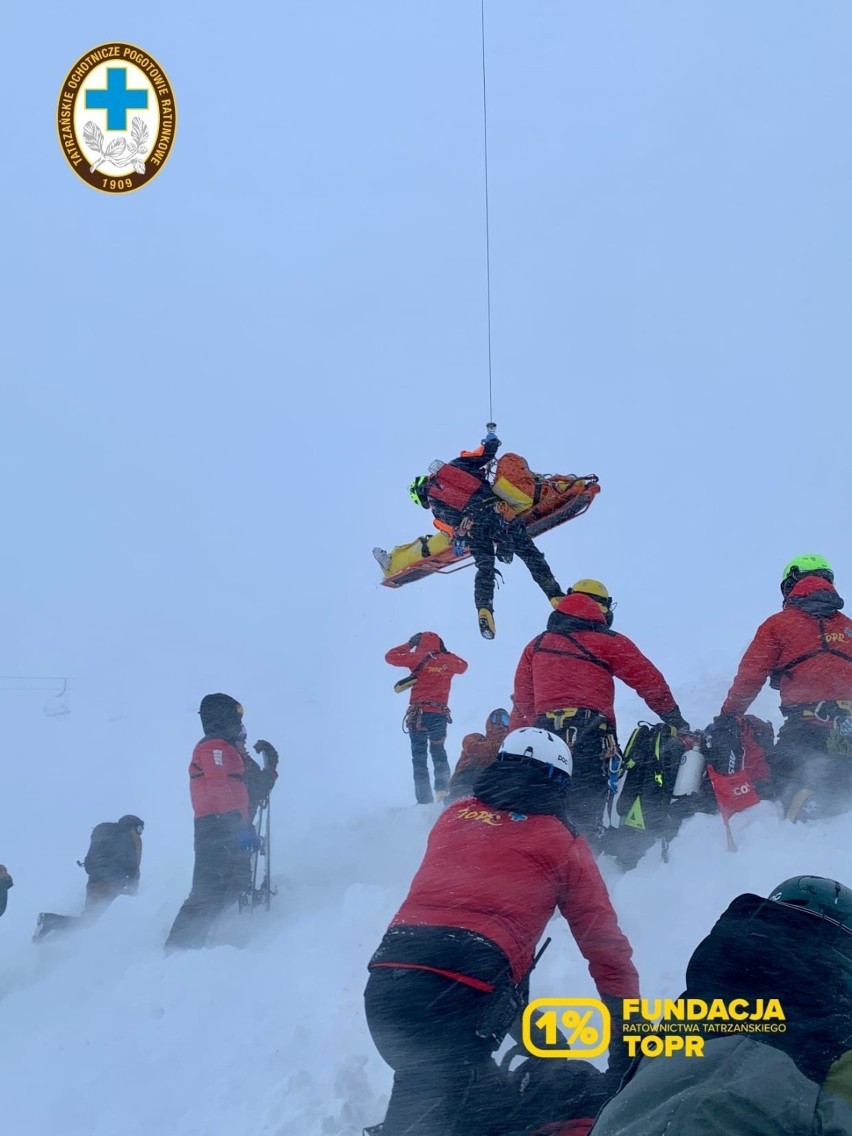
805 650
564 683
463 503
450 973
796 947
224 789
478 752
112 865
432 669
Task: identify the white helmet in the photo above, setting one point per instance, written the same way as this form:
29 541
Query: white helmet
538 745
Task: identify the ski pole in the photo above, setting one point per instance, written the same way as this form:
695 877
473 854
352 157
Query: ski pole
267 852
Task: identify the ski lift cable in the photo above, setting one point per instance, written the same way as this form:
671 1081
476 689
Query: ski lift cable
16 683
33 678
487 213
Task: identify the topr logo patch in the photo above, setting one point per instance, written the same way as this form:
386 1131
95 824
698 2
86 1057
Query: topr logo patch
116 117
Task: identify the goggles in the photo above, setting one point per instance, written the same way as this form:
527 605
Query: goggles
499 717
557 776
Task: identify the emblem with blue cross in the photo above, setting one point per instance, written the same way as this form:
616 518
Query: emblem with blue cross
117 117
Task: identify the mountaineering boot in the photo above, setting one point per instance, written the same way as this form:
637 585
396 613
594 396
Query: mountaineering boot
48 922
486 623
383 559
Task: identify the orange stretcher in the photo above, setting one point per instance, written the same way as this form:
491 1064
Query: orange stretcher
542 501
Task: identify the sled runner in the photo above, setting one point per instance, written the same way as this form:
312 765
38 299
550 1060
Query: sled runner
542 501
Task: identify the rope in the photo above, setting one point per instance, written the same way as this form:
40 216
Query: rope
487 213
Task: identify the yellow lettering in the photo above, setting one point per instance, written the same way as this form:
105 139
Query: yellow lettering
773 1010
629 1007
734 1009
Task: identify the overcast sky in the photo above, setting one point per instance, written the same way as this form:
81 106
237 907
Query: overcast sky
216 389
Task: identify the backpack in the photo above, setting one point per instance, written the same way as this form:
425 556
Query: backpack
737 752
651 761
740 745
645 806
109 852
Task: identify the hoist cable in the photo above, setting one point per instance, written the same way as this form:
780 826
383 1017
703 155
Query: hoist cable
487 213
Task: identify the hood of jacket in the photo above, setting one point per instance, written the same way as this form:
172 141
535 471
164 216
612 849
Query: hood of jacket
814 596
575 611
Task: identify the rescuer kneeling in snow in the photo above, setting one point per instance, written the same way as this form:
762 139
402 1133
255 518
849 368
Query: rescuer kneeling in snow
450 974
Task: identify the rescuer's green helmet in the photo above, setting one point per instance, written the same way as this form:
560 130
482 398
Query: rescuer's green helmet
827 899
808 565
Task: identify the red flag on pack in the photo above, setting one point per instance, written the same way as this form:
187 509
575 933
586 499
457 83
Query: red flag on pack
734 792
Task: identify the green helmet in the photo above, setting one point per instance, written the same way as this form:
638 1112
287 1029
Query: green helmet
827 899
808 565
417 491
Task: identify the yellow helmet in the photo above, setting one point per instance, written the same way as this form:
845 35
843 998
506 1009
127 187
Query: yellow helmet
596 591
593 588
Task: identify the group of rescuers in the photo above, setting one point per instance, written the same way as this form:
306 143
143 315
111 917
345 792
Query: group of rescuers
510 848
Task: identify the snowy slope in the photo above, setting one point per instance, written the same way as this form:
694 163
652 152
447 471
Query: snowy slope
265 1033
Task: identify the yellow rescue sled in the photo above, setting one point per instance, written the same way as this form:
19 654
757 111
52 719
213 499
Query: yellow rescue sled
542 501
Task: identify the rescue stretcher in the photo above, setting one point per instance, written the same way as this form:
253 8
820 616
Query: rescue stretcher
542 501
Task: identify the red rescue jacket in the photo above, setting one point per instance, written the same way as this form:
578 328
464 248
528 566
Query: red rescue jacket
805 650
217 779
574 662
502 875
435 669
454 487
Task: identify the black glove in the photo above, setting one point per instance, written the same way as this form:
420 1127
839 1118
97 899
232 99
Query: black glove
5 878
414 640
270 754
722 743
676 720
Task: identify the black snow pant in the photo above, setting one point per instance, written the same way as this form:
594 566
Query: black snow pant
445 1081
489 529
591 740
803 761
428 729
222 872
